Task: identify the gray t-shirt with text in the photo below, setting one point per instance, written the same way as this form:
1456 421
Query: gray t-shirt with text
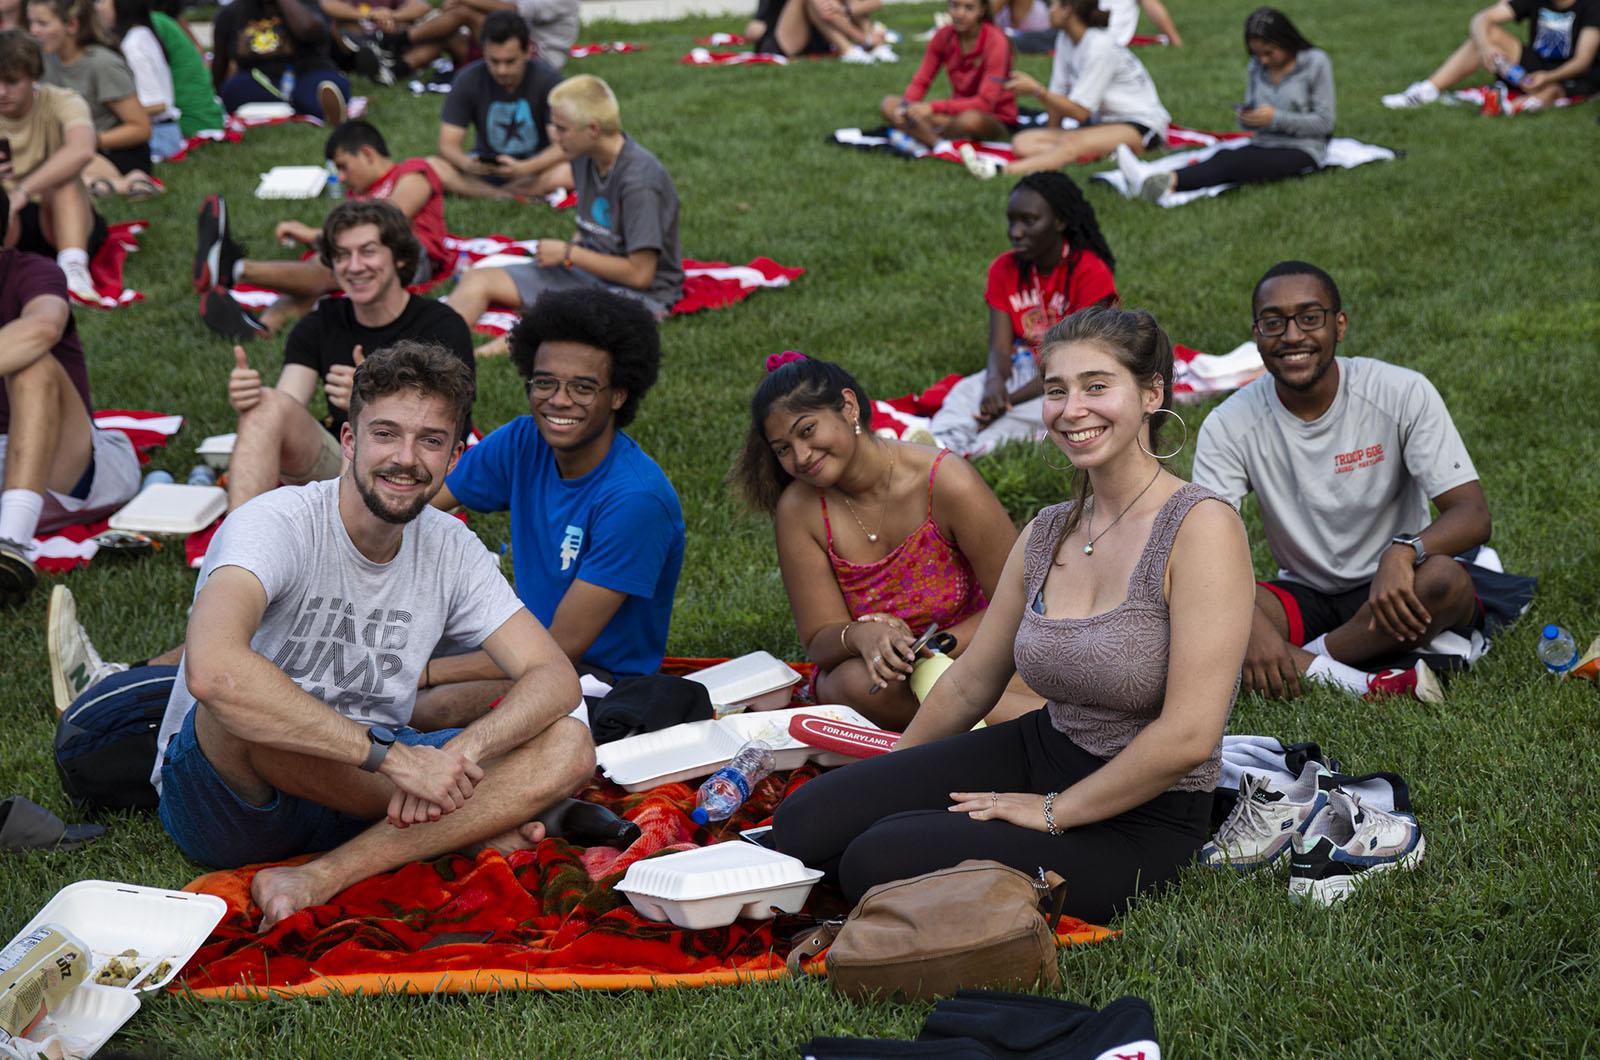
633 207
1334 491
350 632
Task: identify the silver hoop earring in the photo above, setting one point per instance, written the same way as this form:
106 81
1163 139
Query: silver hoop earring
1175 452
1065 469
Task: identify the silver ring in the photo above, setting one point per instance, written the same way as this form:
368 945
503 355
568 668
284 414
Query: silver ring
877 658
994 800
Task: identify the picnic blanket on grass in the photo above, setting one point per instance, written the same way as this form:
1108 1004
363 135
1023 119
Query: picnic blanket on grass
234 127
608 47
998 151
105 268
1343 153
1491 103
73 546
708 57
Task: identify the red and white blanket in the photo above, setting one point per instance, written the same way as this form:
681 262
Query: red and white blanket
105 268
608 47
707 57
1000 153
234 127
1493 103
74 546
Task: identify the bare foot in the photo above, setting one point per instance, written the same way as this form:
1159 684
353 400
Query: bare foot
523 837
495 348
283 892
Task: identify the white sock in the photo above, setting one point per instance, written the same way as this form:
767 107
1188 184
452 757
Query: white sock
1318 646
238 270
1326 668
72 256
19 514
943 147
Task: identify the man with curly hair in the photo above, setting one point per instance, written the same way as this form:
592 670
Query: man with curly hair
597 533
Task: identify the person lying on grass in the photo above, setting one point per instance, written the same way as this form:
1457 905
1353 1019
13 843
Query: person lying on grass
627 219
877 539
368 246
1344 455
1288 105
292 726
977 59
1562 55
1128 608
597 533
56 467
1098 84
1058 263
359 153
504 98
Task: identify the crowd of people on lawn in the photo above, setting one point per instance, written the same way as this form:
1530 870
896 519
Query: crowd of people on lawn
348 636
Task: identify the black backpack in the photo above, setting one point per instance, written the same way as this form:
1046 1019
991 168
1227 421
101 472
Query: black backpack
106 740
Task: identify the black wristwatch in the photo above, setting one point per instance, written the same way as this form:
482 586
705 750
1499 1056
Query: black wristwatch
382 738
1411 541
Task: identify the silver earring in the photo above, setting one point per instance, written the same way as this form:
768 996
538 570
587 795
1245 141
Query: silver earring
1175 452
1065 469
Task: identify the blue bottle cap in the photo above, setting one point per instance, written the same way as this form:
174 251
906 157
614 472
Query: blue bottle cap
1551 632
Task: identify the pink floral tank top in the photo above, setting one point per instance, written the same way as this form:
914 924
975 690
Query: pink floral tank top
924 581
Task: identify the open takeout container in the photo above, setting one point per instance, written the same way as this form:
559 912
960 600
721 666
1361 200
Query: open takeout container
700 748
757 681
163 926
217 450
713 886
170 508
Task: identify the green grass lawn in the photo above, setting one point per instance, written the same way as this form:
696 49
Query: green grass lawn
1470 259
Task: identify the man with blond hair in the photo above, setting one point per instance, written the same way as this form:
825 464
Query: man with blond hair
627 238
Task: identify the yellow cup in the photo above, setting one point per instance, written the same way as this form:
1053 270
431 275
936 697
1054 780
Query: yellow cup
926 673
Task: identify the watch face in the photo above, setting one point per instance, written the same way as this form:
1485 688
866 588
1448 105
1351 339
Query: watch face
381 734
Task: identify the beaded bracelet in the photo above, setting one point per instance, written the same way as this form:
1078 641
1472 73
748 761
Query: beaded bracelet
1050 813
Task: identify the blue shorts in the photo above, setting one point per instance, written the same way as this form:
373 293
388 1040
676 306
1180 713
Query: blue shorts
213 825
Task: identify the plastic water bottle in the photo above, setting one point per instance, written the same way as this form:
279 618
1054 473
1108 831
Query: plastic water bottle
157 478
331 189
201 475
1511 73
286 86
725 790
1557 650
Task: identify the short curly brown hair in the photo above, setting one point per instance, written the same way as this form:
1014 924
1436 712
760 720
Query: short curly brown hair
425 367
394 232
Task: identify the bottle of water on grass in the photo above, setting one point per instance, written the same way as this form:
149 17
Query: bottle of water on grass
725 790
1557 650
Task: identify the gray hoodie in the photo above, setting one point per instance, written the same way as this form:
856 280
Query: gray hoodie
1304 102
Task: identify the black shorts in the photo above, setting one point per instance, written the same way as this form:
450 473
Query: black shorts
1312 613
31 237
1585 84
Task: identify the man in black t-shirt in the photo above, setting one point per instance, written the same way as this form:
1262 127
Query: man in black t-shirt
504 98
369 246
1562 55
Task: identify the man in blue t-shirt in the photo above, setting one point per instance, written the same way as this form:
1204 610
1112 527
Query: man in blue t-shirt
596 529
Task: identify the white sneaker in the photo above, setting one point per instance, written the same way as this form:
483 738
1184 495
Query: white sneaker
884 54
1418 94
1345 844
79 284
856 55
74 664
981 166
1133 171
1258 830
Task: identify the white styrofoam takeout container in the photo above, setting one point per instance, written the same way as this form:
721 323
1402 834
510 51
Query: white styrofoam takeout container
292 182
700 748
266 111
714 886
217 450
757 681
111 917
170 508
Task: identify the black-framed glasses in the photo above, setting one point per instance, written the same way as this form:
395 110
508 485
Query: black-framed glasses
581 391
1308 319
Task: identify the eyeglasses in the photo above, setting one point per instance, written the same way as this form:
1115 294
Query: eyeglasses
581 391
1308 319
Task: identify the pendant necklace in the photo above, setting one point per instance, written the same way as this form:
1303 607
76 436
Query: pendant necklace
883 507
1088 550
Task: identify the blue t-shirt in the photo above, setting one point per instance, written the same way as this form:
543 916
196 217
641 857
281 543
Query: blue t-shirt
619 527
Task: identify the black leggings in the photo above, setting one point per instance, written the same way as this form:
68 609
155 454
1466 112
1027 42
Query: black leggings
886 819
1245 165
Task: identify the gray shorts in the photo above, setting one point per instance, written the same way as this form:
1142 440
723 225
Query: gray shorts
116 480
532 280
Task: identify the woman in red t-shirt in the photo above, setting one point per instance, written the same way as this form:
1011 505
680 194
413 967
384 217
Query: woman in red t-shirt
1058 264
976 56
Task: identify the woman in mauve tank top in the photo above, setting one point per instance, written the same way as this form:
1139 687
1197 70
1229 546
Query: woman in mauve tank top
1128 609
877 539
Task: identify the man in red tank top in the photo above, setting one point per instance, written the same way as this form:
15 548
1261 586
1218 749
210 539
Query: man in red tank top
361 157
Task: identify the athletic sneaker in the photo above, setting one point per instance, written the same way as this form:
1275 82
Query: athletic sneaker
17 576
884 54
1257 832
228 318
981 166
856 55
1417 94
74 664
331 98
80 285
215 252
370 61
1347 842
1419 683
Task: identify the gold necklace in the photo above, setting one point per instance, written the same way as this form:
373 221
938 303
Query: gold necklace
1088 550
882 507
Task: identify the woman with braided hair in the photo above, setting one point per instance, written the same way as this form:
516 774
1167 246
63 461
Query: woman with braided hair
1058 264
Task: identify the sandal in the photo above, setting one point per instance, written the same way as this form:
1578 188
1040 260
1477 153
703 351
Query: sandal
100 188
143 187
25 825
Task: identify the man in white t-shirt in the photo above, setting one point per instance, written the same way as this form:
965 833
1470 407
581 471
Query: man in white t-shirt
1344 456
290 729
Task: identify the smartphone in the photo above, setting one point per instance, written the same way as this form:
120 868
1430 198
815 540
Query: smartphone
1240 108
5 148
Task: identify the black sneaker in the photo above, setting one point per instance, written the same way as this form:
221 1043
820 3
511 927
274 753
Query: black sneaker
215 252
228 318
17 576
370 61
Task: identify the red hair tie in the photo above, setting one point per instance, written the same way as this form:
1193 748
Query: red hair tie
778 360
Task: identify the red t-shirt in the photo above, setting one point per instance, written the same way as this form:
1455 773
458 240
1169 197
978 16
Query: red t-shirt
1079 280
977 79
428 223
24 277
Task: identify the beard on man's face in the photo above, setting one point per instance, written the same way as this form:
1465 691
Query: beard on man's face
408 509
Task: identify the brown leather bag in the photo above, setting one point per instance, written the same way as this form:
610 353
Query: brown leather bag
979 924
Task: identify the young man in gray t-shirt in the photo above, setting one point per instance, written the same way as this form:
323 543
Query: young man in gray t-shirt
1344 456
627 238
290 729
